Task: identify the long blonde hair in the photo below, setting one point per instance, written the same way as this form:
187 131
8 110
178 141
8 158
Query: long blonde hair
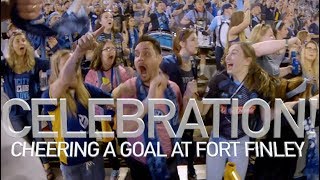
28 56
81 92
314 65
258 32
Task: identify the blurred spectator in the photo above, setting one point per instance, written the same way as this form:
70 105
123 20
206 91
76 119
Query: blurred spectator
199 16
255 14
314 26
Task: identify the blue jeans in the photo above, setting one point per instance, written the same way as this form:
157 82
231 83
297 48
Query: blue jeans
88 170
216 164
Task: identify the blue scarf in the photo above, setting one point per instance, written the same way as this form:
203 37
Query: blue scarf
312 166
157 165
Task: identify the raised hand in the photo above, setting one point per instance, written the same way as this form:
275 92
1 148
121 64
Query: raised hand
88 41
157 86
247 4
192 88
289 106
295 41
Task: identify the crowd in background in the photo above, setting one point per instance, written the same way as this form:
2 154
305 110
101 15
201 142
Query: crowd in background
141 49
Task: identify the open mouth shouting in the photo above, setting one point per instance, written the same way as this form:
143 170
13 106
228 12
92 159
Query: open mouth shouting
229 66
142 69
22 50
111 57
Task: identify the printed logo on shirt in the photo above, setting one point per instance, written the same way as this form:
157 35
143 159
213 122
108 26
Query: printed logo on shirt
187 79
83 121
225 110
22 88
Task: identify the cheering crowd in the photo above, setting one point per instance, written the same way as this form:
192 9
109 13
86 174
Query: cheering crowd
178 50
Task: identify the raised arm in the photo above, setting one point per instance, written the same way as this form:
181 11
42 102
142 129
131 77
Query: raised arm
242 26
69 71
146 17
270 47
176 12
185 20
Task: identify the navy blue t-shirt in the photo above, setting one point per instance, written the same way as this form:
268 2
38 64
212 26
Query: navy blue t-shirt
78 122
21 83
24 86
223 86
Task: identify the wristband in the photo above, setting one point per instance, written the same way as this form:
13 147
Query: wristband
287 43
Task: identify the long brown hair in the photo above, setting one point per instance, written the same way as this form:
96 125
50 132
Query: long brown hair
81 92
181 36
28 56
236 19
257 79
96 63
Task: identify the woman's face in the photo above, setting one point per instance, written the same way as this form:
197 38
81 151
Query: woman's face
235 60
268 36
283 32
191 44
107 20
131 22
108 55
20 45
311 52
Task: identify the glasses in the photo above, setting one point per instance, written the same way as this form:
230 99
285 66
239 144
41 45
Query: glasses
311 49
109 49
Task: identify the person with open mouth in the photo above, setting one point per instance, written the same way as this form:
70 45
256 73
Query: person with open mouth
151 82
106 75
107 21
20 72
66 82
